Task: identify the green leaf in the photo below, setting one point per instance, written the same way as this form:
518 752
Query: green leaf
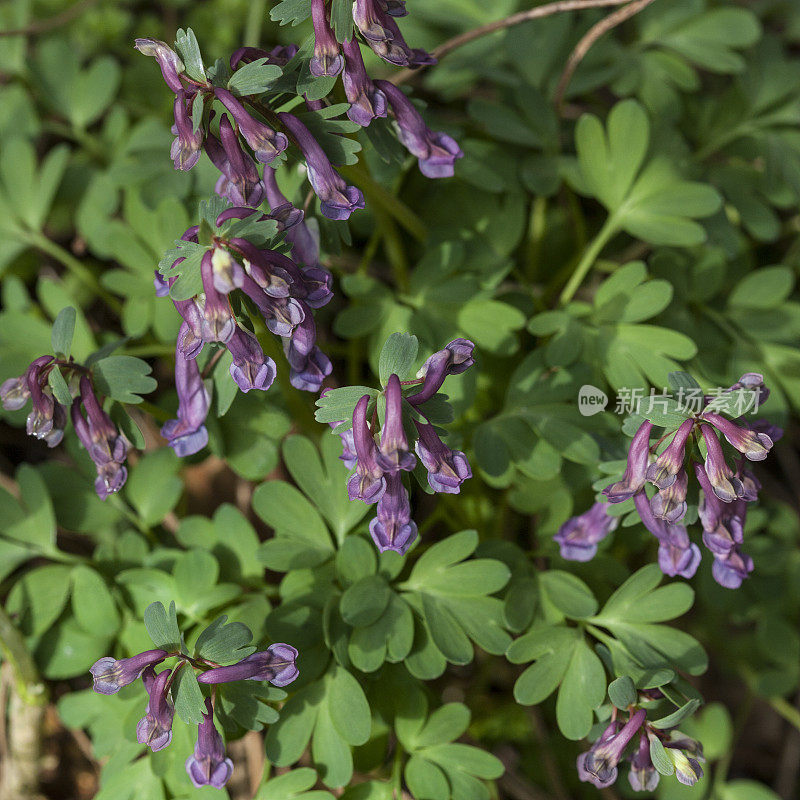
397 356
747 790
658 754
153 486
37 599
582 690
443 725
123 378
764 288
290 12
162 626
92 603
622 692
348 707
253 78
568 593
676 717
59 386
425 780
224 643
640 583
342 19
189 702
189 51
63 331
365 601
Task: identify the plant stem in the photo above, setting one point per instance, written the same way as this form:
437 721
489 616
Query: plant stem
81 272
29 685
252 26
786 710
589 257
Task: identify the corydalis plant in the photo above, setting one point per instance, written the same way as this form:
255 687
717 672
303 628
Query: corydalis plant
691 448
378 435
207 765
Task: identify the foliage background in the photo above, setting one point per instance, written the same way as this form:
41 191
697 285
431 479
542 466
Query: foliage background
689 220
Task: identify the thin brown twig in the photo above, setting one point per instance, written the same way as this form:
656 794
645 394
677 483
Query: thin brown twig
44 25
585 44
501 24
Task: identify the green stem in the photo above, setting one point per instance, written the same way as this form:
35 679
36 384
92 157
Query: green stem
393 247
82 273
786 710
29 685
153 410
252 26
587 261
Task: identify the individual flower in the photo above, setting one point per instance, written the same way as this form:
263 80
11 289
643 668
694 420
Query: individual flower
643 776
453 360
367 102
687 770
447 469
731 569
250 368
109 675
368 482
106 446
724 483
393 528
599 764
276 664
337 199
670 504
168 61
327 60
304 242
208 766
436 152
155 728
185 151
578 537
218 322
266 143
393 453
753 445
663 472
634 478
752 382
677 555
40 422
187 434
373 18
14 393
239 182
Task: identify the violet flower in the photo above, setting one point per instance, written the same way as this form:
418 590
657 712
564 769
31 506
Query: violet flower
599 764
239 181
634 478
305 244
187 434
670 504
218 322
664 470
731 569
168 61
447 469
753 445
393 454
185 150
41 418
725 484
435 151
337 199
677 555
393 528
266 143
280 55
250 368
453 360
276 664
327 60
366 101
14 393
109 675
643 776
367 483
579 536
208 766
105 445
155 728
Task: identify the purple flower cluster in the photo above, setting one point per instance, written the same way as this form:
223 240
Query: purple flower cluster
723 498
207 766
379 462
283 291
106 445
599 765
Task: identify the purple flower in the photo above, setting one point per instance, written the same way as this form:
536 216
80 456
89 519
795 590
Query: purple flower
395 8
725 484
731 569
110 674
276 664
677 555
366 101
753 382
251 369
309 375
643 776
754 445
266 143
636 469
105 445
750 484
664 470
171 66
599 764
687 770
239 181
187 434
185 151
723 523
14 393
218 320
327 60
305 244
273 280
155 728
763 426
160 284
280 55
40 420
373 18
367 483
393 528
393 454
208 765
447 469
453 360
670 504
578 537
337 199
435 151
